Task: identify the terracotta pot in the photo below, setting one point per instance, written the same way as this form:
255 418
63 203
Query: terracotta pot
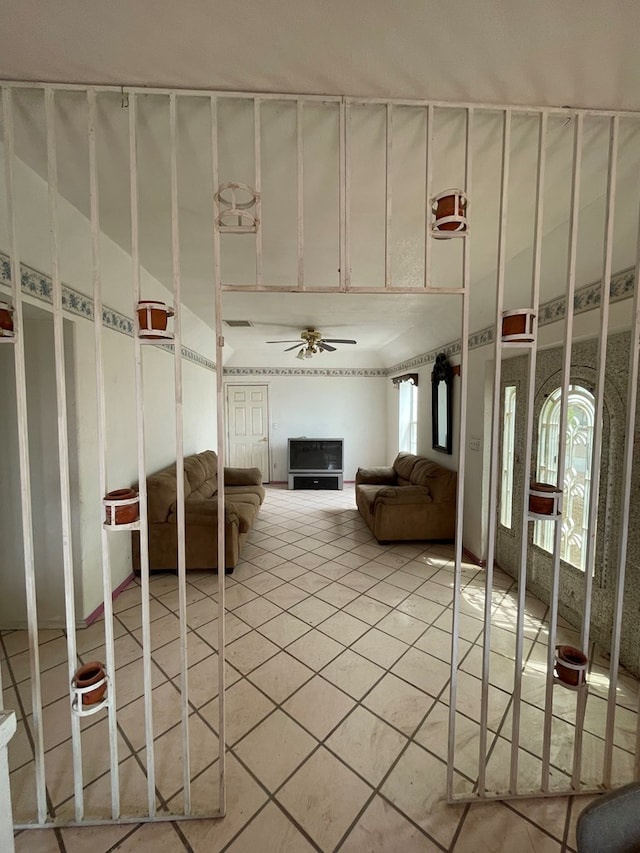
451 205
567 674
517 326
152 316
6 319
544 499
85 676
126 513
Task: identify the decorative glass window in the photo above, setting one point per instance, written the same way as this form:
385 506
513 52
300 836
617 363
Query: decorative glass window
508 449
577 478
408 416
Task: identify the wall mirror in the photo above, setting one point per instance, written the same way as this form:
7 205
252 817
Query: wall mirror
442 404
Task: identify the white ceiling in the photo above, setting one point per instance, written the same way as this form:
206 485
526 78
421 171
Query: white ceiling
581 54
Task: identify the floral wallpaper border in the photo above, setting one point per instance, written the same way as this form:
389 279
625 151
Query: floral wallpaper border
40 286
585 299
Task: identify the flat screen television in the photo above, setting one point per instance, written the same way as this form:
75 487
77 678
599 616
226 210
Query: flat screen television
315 454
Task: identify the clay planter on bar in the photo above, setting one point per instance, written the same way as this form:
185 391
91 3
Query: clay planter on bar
90 675
544 499
449 214
517 326
121 507
6 320
152 320
571 665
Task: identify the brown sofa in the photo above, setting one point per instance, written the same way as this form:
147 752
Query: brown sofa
413 499
243 491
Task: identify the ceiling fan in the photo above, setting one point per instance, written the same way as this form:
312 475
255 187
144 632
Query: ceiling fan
312 342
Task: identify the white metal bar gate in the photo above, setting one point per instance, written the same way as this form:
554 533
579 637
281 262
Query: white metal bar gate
496 729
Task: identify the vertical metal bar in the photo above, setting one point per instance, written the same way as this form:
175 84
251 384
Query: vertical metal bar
142 484
342 172
63 440
493 459
562 436
23 455
217 290
257 153
528 438
300 165
625 521
180 511
464 353
388 196
427 197
602 363
102 450
346 202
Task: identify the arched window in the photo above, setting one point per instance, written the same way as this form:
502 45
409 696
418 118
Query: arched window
577 478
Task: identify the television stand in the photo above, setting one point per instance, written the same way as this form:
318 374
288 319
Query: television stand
316 480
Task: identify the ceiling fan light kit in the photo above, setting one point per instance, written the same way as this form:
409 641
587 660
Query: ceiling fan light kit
237 208
313 343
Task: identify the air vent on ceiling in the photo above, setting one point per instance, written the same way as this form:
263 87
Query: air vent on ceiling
238 324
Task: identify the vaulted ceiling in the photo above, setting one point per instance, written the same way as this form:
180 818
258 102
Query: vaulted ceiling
579 54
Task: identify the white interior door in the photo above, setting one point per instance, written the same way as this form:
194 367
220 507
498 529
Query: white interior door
248 427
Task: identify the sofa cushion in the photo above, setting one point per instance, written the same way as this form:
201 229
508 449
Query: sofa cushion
403 467
379 475
161 494
246 494
440 481
403 494
246 514
242 477
198 472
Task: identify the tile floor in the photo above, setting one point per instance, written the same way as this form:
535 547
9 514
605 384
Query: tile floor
338 654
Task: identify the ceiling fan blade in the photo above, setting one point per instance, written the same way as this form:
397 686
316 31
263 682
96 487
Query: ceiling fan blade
288 349
323 345
299 341
337 341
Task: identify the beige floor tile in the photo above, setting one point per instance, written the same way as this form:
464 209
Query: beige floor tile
335 569
202 612
286 596
234 629
94 839
245 707
549 812
93 636
163 630
367 609
257 611
402 705
284 629
436 592
311 582
423 671
417 786
315 649
380 648
129 597
319 706
268 560
250 651
280 676
244 798
168 657
330 552
171 600
422 608
323 786
154 838
490 828
309 561
312 611
130 682
387 593
271 831
263 583
337 594
344 628
380 827
436 642
52 653
274 749
132 618
358 581
434 736
19 749
376 570
237 596
402 626
166 709
367 744
353 673
38 841
288 571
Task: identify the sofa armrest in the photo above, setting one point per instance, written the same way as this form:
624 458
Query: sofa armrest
242 477
381 476
403 495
